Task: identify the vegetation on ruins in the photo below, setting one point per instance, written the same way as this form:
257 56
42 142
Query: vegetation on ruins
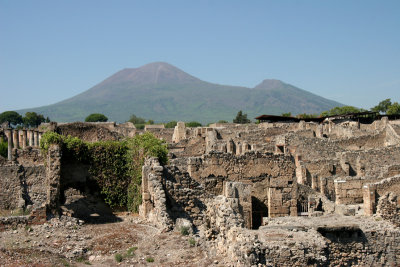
306 116
114 165
96 117
241 118
171 124
193 124
3 148
287 114
139 122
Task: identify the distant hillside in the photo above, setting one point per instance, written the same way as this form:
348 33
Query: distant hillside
162 92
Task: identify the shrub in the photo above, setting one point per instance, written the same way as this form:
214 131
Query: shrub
184 230
3 148
171 124
131 251
192 242
116 166
193 124
150 259
118 257
96 117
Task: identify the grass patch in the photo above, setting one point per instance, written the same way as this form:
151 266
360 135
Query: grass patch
150 259
118 257
184 230
131 251
192 242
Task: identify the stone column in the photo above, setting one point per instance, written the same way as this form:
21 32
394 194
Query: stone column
20 138
24 139
369 199
15 138
30 133
53 176
40 137
10 143
36 139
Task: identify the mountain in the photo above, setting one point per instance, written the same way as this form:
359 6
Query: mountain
162 92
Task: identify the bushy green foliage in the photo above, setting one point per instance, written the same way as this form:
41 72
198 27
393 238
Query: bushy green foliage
306 116
171 124
118 257
193 124
222 121
114 165
341 111
150 259
136 120
383 106
387 107
12 117
192 242
96 117
287 114
32 119
140 147
184 230
241 118
394 109
3 148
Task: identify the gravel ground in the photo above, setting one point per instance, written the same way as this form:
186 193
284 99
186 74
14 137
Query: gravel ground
70 242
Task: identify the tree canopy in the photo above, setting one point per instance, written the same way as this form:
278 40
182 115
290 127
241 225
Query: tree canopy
193 124
383 106
12 117
341 111
96 117
241 118
393 109
171 124
32 119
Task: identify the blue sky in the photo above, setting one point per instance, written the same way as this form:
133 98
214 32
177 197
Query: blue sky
344 50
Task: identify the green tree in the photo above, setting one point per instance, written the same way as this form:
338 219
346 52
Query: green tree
193 124
32 119
136 120
393 109
171 124
96 117
12 117
383 106
241 118
288 114
306 116
341 111
222 121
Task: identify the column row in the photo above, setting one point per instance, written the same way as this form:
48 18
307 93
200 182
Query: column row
22 138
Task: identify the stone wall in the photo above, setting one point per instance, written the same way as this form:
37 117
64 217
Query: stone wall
154 205
96 131
348 190
21 186
373 191
389 208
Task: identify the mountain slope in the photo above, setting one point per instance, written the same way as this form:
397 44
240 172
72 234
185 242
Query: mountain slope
162 92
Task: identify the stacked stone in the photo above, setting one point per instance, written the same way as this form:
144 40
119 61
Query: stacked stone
389 208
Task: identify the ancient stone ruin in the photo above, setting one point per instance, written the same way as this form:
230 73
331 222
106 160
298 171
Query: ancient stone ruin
275 194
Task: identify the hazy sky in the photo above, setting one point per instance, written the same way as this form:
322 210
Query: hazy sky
348 51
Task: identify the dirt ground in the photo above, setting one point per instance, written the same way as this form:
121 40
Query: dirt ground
129 242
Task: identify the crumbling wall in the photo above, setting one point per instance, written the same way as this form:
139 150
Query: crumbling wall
96 131
348 190
154 206
389 208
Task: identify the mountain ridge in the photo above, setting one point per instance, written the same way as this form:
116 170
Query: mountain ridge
163 92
